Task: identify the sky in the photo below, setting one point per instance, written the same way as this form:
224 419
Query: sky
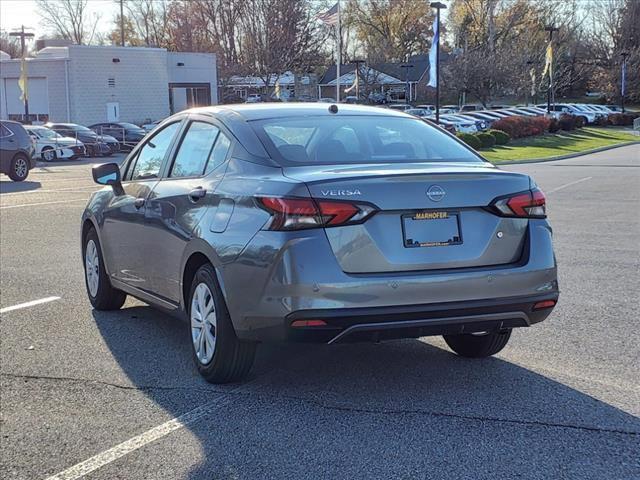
14 13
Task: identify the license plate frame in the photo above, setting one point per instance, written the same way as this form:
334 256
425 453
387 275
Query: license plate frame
419 220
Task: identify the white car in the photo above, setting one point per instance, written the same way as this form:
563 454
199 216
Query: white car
51 146
461 125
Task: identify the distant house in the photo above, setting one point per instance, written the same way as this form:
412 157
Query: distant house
284 86
92 84
389 79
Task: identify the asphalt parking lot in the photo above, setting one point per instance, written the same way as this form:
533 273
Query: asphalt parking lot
560 402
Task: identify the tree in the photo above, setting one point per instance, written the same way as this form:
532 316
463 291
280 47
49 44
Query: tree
131 37
10 45
69 19
390 30
150 18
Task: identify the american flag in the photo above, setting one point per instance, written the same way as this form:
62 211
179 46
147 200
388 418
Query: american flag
331 16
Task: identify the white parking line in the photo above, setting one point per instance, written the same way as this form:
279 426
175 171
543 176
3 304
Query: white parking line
43 203
570 184
101 459
28 304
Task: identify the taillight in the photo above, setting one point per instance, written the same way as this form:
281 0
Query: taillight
529 204
301 213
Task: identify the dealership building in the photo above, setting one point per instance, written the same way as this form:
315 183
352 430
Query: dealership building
93 84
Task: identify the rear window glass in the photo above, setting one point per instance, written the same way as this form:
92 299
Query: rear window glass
358 139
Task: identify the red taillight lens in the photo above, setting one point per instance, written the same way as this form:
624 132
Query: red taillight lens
301 213
529 204
308 323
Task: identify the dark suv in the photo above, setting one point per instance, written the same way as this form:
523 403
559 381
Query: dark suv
16 151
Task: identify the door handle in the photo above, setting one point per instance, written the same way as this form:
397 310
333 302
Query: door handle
138 202
197 193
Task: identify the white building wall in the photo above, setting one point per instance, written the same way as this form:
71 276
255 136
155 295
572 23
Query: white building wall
140 83
47 74
195 68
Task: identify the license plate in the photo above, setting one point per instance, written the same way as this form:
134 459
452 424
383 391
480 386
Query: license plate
431 229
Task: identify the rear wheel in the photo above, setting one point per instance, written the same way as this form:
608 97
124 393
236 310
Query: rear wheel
474 345
19 168
219 355
101 294
49 154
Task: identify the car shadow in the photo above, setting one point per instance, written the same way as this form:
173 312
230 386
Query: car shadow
402 409
9 186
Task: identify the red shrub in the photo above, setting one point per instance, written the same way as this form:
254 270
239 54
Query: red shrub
621 119
518 127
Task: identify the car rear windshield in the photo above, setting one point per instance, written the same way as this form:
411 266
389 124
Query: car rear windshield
358 139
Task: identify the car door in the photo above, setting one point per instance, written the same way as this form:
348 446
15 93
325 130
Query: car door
125 240
8 147
180 199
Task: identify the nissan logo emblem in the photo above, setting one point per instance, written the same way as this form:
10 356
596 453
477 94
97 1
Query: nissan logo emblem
435 193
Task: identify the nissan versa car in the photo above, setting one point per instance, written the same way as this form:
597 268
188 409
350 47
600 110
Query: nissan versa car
320 223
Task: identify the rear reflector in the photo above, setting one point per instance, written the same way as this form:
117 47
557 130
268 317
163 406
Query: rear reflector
544 304
309 323
300 213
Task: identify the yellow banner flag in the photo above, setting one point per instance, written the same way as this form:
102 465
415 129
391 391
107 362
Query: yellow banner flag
23 81
548 61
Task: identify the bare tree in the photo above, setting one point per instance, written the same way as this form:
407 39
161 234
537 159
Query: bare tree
69 19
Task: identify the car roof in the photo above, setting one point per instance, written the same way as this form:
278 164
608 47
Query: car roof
251 112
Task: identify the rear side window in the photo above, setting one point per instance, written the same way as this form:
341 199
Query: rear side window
358 139
5 132
195 150
150 157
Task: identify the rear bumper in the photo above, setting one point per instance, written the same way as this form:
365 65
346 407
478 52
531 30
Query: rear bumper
372 324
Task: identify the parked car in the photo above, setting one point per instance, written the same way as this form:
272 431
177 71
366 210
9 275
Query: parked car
271 225
428 107
480 123
93 145
461 125
419 112
51 146
399 106
254 98
327 100
519 111
531 109
127 134
16 151
488 119
469 107
560 108
448 109
147 127
614 108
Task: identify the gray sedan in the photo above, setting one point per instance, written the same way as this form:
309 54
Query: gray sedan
321 223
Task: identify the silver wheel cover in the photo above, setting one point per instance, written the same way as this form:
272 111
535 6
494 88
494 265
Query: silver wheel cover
92 268
203 323
21 167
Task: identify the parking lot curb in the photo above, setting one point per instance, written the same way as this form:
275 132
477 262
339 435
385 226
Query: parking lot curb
567 156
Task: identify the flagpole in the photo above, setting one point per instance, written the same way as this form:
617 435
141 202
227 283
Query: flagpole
339 55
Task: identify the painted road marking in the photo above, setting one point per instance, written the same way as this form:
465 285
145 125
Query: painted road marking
28 304
101 459
43 203
561 187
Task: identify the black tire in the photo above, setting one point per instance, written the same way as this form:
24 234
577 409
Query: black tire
49 149
478 346
106 297
19 168
232 358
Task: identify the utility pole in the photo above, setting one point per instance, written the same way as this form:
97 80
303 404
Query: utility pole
438 6
550 95
23 36
407 88
623 78
122 23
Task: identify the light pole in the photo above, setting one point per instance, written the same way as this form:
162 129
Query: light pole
550 29
438 6
122 23
623 79
407 87
23 36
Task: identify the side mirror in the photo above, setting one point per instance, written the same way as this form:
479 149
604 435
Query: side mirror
108 174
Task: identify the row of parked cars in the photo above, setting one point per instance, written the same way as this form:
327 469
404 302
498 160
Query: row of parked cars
472 118
22 145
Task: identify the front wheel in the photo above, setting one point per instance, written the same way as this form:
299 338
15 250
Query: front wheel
101 294
219 355
49 154
19 168
478 345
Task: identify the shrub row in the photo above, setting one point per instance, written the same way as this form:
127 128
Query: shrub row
484 139
617 119
518 127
